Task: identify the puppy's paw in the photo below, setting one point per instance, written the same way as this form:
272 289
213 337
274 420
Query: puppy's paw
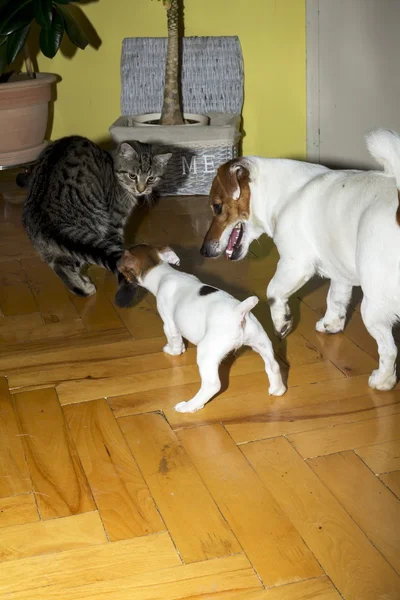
383 383
335 326
187 407
174 351
277 390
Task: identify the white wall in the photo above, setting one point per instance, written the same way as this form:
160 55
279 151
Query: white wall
353 73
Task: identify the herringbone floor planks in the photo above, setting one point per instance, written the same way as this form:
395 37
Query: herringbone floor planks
106 493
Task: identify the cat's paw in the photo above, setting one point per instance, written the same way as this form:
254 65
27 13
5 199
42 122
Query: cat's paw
90 289
85 290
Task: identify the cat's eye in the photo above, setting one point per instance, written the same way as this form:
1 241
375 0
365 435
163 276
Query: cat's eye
217 208
151 179
133 176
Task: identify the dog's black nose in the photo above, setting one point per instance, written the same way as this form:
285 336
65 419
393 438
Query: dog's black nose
204 251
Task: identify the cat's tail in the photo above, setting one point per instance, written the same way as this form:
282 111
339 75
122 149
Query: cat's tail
95 252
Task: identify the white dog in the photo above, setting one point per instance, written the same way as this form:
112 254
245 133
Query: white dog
209 318
343 225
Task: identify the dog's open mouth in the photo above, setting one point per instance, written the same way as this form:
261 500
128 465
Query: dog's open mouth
235 238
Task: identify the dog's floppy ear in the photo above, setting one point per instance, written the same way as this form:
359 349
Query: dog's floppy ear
129 266
230 176
169 256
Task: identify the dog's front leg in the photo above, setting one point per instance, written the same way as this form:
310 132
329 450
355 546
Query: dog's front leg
338 299
289 277
175 344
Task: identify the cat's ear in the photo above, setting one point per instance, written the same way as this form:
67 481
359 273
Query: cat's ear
162 159
129 266
126 151
168 255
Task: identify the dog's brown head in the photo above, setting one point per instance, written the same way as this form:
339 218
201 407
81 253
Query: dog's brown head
230 204
139 260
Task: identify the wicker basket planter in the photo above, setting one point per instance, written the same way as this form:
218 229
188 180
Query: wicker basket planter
197 151
212 85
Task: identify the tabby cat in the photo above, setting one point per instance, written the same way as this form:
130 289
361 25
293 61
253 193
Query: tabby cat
79 200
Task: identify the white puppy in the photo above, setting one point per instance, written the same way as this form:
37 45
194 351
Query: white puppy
211 319
343 225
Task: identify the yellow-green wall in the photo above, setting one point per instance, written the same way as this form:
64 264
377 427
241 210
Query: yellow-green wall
272 35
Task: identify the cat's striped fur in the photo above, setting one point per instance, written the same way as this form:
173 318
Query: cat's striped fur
79 200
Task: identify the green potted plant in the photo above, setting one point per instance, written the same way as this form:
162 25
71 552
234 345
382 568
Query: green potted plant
207 132
24 97
171 113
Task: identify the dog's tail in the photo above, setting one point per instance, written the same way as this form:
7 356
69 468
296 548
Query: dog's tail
384 147
245 307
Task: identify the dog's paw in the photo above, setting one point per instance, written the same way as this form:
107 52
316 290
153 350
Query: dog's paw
277 390
335 326
282 330
187 407
383 383
174 351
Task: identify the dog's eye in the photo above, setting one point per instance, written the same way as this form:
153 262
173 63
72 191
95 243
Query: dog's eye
133 176
217 208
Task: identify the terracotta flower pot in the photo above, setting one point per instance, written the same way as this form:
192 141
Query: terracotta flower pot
24 108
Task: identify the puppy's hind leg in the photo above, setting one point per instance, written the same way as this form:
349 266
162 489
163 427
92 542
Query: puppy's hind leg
338 299
258 340
210 353
380 325
289 277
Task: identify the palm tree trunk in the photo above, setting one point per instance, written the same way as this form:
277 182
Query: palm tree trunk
171 110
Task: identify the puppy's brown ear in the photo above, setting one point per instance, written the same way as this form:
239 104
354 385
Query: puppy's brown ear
129 266
230 176
169 256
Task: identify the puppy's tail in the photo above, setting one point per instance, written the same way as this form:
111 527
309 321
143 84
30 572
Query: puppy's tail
384 147
245 307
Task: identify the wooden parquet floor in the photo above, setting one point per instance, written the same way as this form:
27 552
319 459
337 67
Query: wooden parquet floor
107 493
